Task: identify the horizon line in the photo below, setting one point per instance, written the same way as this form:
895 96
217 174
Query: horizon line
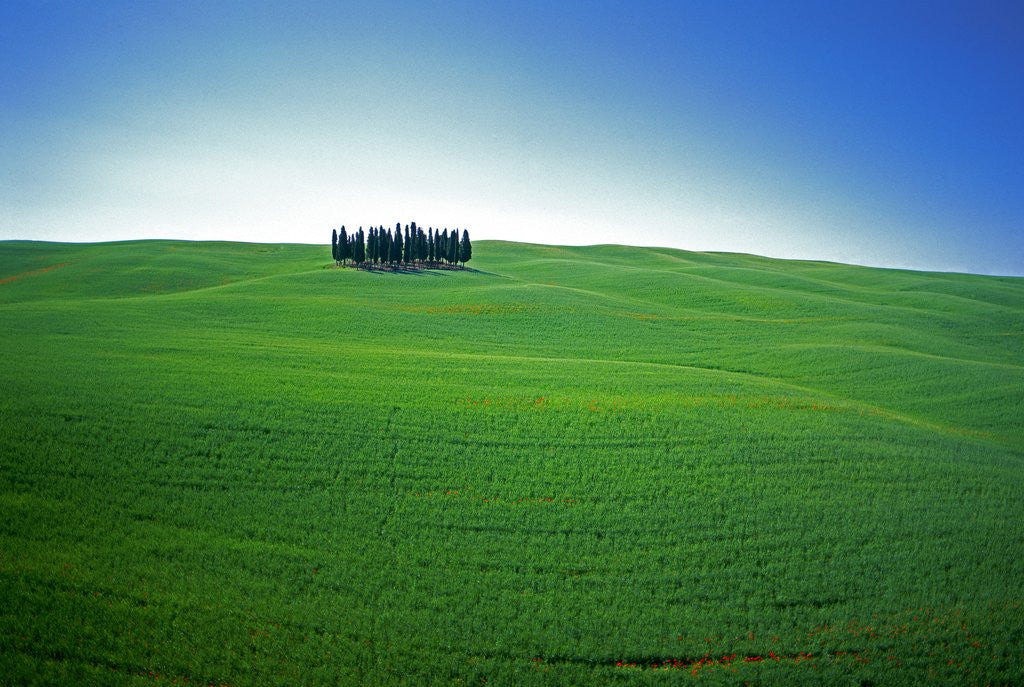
820 261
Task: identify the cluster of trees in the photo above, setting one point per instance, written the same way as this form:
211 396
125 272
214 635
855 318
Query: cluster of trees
414 247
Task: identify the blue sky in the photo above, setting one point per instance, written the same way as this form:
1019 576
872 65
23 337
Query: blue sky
861 133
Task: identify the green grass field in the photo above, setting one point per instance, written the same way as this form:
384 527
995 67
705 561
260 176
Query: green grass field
234 464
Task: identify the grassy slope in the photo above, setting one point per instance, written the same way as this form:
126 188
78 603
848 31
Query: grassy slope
230 463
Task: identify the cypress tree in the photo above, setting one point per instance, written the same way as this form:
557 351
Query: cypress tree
360 253
466 249
370 238
430 244
343 245
407 252
421 245
398 247
334 245
442 246
453 247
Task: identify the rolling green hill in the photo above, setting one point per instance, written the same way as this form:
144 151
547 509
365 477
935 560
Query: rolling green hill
234 464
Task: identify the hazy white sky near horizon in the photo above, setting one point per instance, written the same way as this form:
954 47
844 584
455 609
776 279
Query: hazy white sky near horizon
872 139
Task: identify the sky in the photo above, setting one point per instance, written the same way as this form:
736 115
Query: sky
856 132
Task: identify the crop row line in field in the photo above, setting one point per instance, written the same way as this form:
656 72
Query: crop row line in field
529 500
